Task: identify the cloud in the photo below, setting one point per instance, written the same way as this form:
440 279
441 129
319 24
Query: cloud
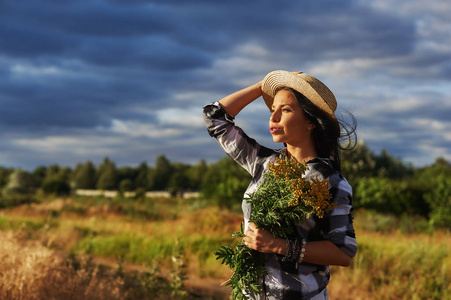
84 79
416 129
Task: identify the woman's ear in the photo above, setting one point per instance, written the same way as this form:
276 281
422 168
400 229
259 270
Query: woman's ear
311 126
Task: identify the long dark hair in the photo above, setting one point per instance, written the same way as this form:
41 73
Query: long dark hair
329 135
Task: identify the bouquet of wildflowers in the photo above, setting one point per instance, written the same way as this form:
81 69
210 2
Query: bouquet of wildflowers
283 200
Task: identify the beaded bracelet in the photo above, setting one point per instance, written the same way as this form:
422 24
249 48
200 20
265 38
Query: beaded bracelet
298 250
294 251
302 252
288 255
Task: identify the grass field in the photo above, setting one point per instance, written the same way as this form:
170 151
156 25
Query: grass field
96 248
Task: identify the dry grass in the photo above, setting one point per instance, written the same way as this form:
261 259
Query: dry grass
31 271
36 240
396 266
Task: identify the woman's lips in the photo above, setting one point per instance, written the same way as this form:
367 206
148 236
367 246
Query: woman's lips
274 130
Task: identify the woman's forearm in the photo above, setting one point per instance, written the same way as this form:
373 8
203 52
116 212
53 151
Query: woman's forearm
235 102
326 253
319 252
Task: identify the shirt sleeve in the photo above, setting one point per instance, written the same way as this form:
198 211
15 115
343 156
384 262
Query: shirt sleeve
337 226
241 148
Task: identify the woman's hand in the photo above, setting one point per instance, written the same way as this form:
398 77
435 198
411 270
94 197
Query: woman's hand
263 240
319 252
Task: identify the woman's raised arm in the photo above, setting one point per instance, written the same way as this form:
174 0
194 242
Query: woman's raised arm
235 102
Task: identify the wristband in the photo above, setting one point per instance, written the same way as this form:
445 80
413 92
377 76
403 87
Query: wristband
302 252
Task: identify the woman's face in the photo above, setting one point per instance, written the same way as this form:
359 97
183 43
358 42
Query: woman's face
288 123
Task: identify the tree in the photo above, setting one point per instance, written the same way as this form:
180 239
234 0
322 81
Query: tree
374 193
4 176
142 178
440 168
125 185
179 180
56 186
52 170
56 180
386 195
196 175
439 199
437 177
391 167
159 177
20 182
225 182
19 189
85 176
127 175
106 175
39 175
358 163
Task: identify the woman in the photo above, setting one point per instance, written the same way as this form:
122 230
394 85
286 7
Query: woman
302 117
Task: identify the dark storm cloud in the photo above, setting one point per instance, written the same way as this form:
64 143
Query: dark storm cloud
115 56
97 35
67 102
103 33
309 29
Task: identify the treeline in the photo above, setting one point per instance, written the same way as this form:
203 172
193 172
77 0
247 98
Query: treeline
380 182
165 176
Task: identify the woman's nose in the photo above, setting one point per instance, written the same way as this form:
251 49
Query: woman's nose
275 117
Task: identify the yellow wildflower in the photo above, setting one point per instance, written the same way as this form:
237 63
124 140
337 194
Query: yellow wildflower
314 192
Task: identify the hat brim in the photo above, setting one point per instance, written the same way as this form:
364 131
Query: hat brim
305 84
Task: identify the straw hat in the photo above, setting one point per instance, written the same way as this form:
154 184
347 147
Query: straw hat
316 91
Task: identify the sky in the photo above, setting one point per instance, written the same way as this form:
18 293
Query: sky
127 79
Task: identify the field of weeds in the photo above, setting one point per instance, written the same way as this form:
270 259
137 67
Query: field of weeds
96 248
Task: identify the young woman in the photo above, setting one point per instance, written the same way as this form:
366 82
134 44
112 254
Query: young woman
302 117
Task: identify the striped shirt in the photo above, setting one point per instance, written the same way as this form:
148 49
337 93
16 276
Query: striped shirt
286 281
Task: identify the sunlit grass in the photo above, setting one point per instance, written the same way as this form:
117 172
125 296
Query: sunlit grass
396 266
32 271
100 230
388 265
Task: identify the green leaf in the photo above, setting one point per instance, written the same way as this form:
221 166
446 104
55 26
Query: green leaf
238 235
255 288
